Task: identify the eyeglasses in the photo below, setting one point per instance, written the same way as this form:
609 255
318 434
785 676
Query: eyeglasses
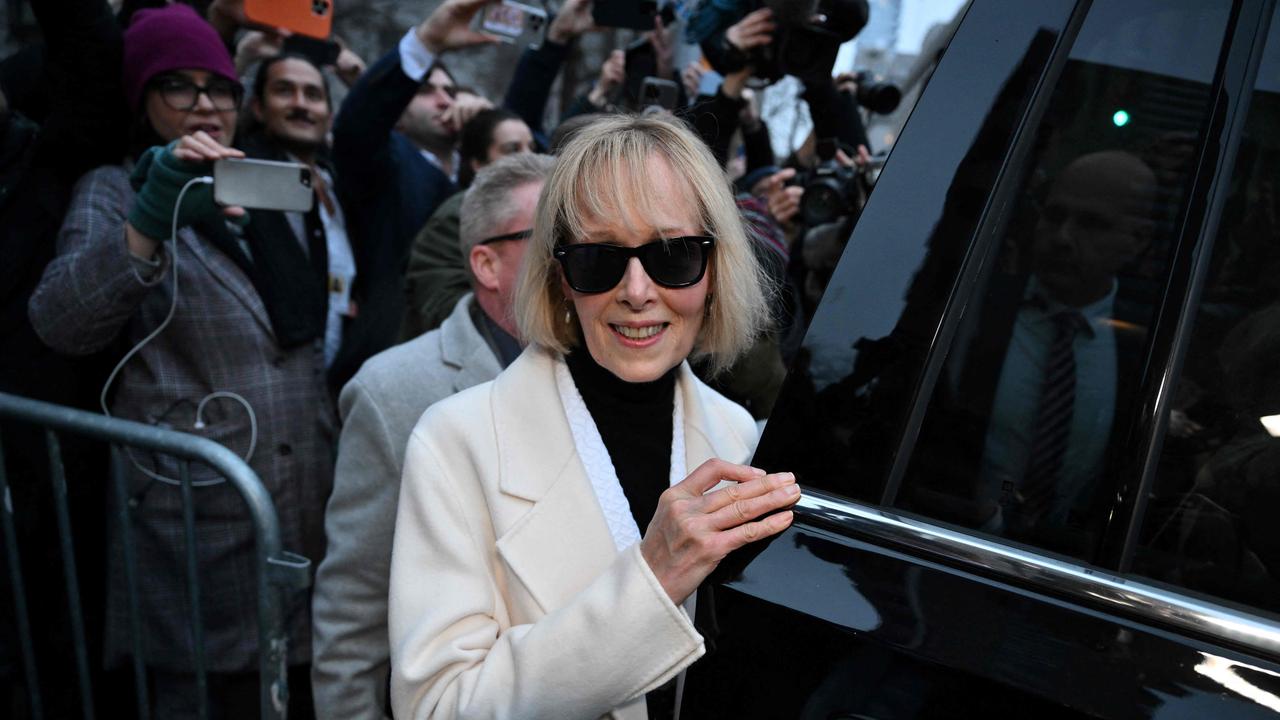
597 267
520 235
182 94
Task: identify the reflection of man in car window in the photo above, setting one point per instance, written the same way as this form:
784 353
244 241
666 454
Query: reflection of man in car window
1056 391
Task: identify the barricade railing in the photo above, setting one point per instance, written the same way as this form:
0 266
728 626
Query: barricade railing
279 573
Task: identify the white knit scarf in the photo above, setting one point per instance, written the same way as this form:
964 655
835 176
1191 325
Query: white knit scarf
599 467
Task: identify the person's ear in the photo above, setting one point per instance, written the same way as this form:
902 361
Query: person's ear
485 265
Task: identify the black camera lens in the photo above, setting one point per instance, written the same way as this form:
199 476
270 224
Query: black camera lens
881 98
823 202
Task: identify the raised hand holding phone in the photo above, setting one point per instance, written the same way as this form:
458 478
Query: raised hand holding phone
514 22
449 26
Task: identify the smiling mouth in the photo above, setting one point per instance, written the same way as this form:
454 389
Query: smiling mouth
639 333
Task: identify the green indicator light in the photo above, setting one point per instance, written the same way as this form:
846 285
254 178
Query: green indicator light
1121 118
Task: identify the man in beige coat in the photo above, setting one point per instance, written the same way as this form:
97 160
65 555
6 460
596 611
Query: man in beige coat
380 407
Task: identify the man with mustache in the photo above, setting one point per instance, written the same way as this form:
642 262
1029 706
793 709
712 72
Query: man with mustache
291 113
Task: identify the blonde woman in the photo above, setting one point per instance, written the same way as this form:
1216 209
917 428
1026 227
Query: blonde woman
553 522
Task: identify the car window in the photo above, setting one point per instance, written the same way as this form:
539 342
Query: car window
840 414
1210 521
1025 428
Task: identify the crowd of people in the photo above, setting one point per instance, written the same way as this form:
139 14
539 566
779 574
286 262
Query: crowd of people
551 523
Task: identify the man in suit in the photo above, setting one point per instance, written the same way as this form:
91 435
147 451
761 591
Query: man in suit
291 112
1032 396
380 407
393 148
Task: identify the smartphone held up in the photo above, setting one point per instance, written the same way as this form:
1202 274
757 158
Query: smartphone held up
263 184
514 22
313 18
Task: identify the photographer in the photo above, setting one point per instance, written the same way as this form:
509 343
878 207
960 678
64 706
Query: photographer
800 38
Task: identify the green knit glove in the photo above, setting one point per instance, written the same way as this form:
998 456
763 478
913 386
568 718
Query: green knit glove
159 178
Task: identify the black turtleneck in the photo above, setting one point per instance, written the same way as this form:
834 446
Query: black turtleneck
634 420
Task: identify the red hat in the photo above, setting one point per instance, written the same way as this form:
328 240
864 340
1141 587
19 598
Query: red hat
173 37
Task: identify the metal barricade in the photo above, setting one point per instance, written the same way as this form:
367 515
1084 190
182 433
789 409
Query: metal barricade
278 572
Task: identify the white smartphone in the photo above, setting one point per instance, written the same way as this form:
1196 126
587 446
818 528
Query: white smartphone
514 22
263 184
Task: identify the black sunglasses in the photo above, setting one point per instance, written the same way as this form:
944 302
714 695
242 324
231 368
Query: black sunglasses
518 235
673 262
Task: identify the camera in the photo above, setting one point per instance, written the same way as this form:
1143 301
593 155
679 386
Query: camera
805 44
831 191
877 97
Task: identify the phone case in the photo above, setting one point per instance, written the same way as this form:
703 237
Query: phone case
514 22
307 17
263 184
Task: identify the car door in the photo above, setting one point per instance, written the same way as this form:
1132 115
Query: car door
1036 416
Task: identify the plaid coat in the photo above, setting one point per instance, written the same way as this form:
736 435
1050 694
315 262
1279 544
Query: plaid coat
220 340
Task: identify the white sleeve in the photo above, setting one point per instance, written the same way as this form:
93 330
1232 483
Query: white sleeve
415 59
452 655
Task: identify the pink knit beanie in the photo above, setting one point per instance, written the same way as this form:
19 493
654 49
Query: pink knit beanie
173 37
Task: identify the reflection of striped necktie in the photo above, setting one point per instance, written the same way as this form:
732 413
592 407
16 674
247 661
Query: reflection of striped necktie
1053 417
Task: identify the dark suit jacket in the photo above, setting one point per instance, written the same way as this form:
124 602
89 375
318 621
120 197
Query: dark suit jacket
944 480
387 190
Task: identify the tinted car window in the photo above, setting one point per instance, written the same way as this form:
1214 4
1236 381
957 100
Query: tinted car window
1026 425
1210 521
840 416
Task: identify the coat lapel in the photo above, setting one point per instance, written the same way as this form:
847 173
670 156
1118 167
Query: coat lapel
562 543
464 348
225 271
707 435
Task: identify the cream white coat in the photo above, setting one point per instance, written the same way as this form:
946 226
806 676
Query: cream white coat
508 599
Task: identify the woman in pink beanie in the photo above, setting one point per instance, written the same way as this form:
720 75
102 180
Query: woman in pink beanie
120 276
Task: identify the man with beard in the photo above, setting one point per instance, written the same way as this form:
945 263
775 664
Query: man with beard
394 145
290 121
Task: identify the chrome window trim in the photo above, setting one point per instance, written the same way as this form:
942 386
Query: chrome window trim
1124 596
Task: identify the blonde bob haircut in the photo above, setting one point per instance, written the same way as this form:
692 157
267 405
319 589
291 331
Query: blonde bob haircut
605 165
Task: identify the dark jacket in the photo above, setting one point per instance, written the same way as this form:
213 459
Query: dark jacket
84 126
531 86
944 482
387 190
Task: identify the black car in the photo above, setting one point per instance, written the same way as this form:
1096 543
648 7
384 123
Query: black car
1037 413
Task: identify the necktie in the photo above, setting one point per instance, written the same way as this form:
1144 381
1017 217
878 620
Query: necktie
1053 419
322 190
